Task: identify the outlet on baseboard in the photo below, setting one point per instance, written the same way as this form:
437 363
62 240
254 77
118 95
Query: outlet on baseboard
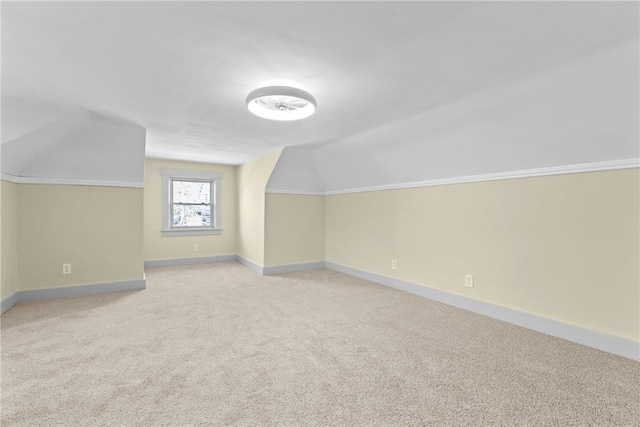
66 268
394 264
195 247
468 280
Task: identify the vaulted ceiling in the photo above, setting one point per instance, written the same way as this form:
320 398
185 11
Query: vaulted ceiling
384 74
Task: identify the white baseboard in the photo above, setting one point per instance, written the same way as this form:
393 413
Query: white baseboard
188 261
9 302
276 269
290 268
71 291
204 260
250 264
588 337
279 269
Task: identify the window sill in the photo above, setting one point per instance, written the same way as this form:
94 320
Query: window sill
191 232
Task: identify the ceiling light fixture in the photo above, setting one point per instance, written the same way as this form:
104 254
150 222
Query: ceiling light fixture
281 103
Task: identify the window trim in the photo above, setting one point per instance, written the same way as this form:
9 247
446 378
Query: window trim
168 175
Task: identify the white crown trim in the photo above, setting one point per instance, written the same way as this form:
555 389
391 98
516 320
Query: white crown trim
9 178
68 181
526 173
297 192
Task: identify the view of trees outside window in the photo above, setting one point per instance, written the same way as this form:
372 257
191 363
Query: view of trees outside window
191 203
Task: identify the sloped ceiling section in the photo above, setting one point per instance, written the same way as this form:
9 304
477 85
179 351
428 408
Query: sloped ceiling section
297 171
21 116
585 111
183 69
406 91
73 147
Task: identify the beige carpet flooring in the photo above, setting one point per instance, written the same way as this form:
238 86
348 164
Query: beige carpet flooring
220 345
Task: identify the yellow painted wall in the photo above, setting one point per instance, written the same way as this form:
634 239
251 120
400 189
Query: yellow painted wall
565 247
8 248
4 287
252 181
158 247
96 229
294 230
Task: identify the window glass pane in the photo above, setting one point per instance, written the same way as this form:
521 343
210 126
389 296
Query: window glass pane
191 216
191 192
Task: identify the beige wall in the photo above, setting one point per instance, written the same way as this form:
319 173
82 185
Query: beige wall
252 181
158 247
8 239
5 288
96 229
565 247
294 230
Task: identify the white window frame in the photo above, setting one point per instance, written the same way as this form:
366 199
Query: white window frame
169 175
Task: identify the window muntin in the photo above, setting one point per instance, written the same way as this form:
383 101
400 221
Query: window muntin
191 205
190 202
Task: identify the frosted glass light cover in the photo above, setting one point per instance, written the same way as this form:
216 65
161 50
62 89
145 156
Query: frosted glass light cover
281 103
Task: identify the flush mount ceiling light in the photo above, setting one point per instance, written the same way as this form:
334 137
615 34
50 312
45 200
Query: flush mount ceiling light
281 103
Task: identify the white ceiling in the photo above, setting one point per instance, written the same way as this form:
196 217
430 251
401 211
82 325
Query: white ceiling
182 70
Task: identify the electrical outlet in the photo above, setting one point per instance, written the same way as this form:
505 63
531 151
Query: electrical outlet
394 264
195 247
66 268
468 280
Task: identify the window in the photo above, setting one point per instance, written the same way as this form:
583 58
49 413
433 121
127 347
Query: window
191 202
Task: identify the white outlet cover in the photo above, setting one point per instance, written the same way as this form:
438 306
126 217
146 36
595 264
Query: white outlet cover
468 280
